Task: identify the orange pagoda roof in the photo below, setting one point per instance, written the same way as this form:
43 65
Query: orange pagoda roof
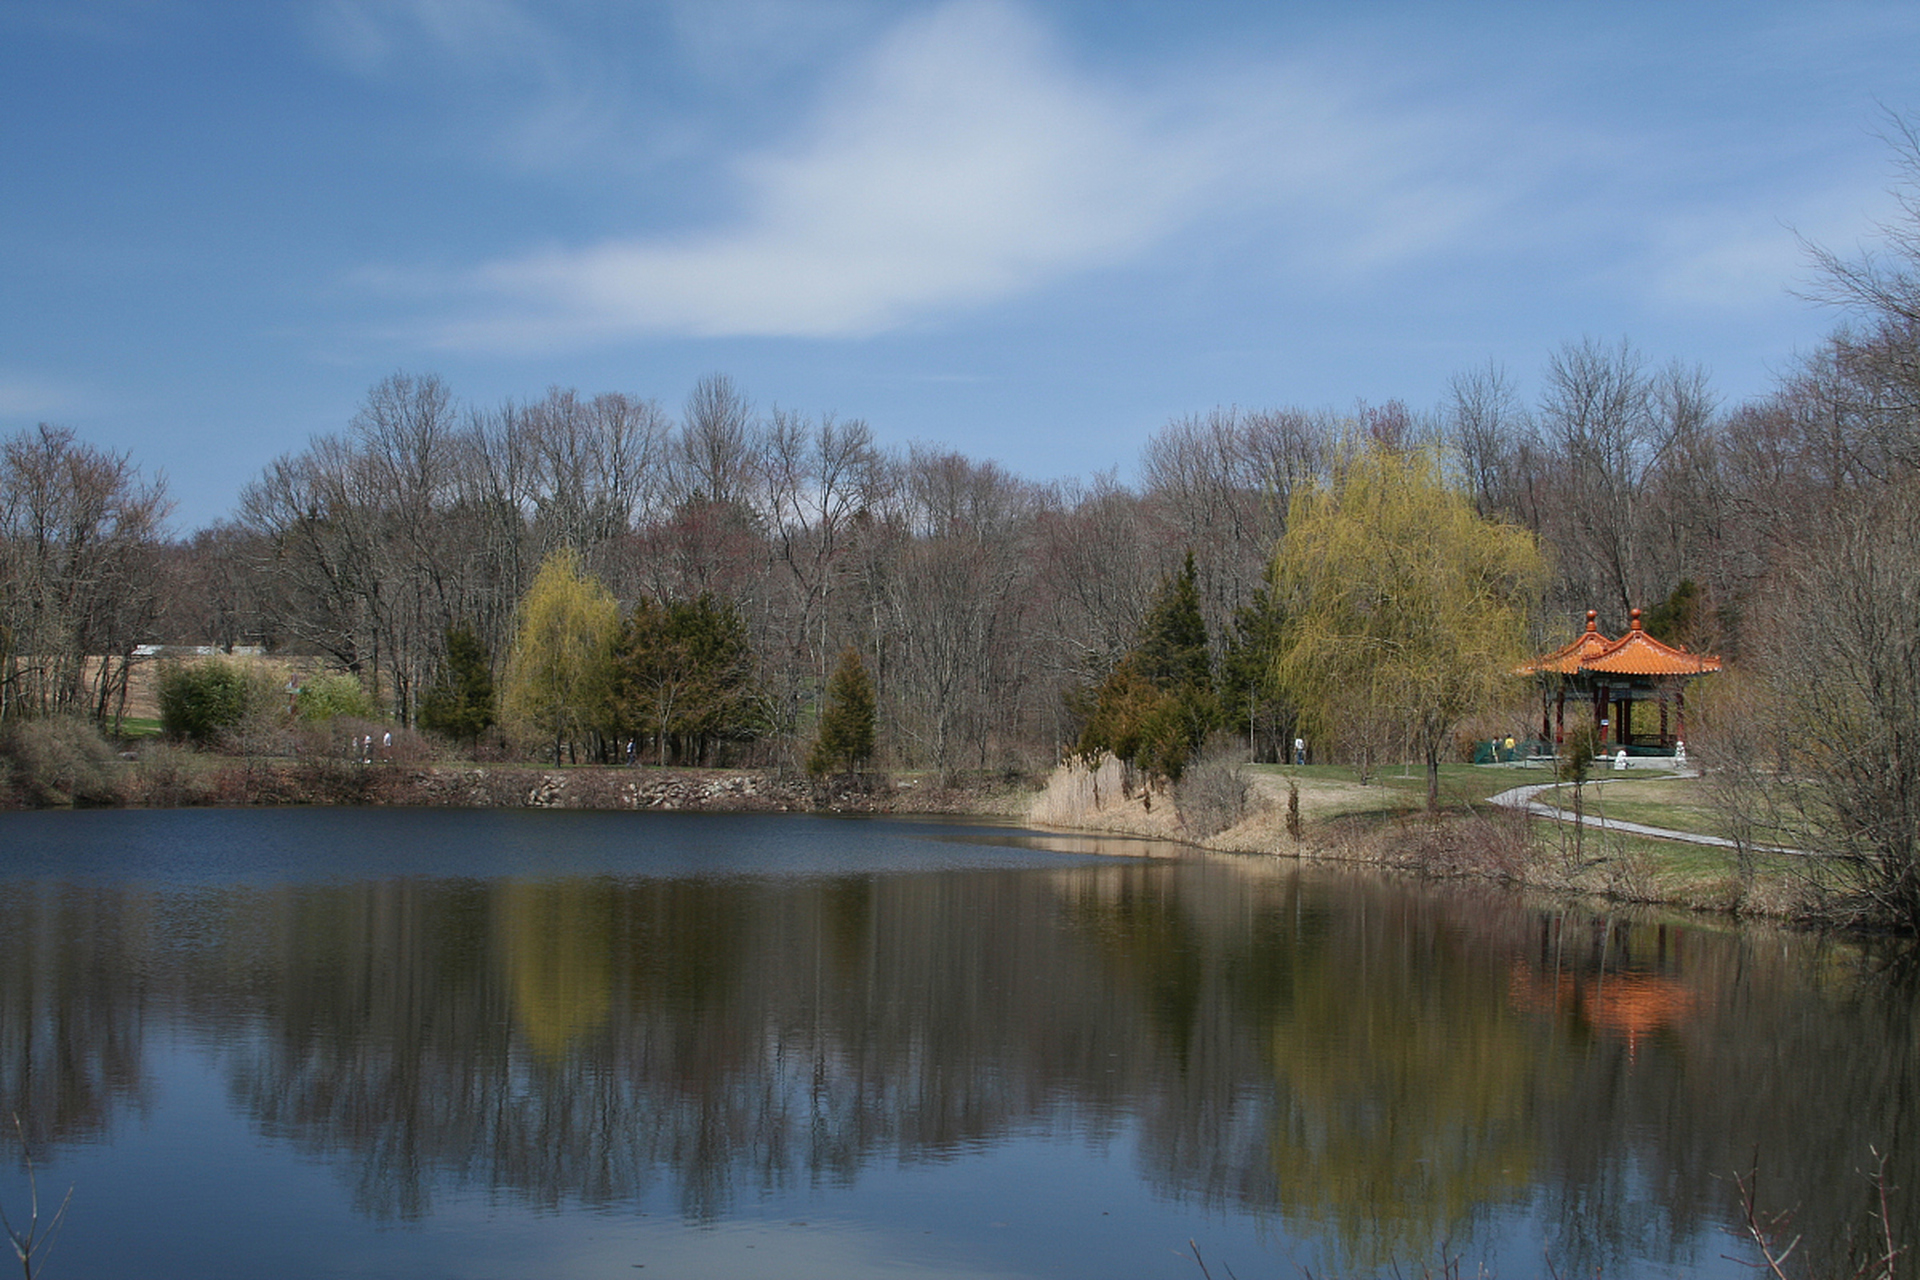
1639 654
1568 658
1634 654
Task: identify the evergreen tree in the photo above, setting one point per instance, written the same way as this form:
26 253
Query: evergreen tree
1680 616
460 703
683 676
1157 705
846 734
724 704
1173 637
1249 701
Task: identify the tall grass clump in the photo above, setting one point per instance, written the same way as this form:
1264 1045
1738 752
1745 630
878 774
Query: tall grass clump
1077 791
57 761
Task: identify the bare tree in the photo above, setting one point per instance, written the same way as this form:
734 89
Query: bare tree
596 466
79 539
1485 425
1222 482
1841 657
954 599
1597 418
712 460
814 482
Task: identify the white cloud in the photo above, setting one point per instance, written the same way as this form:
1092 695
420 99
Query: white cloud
963 159
960 162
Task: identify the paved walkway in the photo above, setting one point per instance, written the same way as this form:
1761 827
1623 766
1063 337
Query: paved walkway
1522 798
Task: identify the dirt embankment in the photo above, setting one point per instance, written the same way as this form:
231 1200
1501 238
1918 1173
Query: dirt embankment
1105 799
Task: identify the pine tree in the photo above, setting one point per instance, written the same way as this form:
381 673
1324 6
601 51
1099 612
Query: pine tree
1173 636
460 703
846 734
1157 705
683 674
1248 699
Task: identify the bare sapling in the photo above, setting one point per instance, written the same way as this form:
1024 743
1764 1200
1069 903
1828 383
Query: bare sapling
31 1243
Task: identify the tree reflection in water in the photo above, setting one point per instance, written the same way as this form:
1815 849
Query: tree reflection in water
1380 1068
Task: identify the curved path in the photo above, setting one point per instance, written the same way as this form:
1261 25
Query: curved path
1522 798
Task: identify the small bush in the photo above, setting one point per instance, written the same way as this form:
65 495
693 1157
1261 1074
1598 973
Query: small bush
1211 795
166 777
47 763
331 695
1497 844
208 700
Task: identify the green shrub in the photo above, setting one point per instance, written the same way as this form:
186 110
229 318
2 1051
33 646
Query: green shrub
334 694
57 762
207 700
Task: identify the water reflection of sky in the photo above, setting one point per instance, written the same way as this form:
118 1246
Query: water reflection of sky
303 845
195 1190
560 1044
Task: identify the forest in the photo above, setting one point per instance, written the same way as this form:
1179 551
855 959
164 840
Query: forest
734 556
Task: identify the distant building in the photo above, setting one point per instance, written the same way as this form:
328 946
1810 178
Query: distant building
198 651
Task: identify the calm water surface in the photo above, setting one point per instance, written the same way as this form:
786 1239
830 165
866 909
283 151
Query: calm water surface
340 1042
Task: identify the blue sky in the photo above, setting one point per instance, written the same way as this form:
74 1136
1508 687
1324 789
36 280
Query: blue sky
1031 230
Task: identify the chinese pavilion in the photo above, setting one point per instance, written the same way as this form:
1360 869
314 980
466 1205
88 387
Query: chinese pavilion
1613 675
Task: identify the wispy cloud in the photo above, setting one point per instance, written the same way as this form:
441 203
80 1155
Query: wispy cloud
963 159
373 36
24 395
539 100
960 161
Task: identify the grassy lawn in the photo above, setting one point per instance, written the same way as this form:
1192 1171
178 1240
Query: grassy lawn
1398 788
1462 784
1677 804
1629 865
1689 874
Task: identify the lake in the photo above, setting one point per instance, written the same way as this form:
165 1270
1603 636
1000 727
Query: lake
392 1042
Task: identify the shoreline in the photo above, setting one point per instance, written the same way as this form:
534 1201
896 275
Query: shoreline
1337 822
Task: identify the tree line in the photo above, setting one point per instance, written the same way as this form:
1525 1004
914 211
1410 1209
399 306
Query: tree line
986 607
995 615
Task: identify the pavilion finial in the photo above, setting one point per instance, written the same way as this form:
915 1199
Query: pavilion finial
1636 620
1593 619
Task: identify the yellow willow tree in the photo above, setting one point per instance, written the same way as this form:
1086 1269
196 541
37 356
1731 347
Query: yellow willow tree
1403 611
559 672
